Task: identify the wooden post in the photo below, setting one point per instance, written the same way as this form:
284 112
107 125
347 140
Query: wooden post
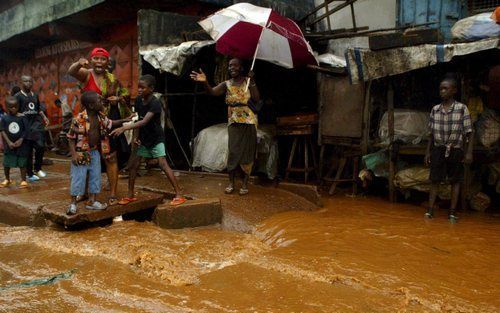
366 119
390 119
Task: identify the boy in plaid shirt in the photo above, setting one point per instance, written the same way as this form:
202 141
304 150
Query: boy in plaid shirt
450 145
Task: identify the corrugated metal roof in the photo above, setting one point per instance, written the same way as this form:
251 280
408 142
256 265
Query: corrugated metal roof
32 13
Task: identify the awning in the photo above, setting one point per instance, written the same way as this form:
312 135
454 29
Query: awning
365 64
172 59
29 14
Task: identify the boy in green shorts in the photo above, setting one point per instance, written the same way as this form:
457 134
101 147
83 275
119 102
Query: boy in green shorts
14 128
151 138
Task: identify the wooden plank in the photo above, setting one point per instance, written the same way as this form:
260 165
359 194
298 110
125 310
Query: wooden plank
379 41
295 130
392 162
341 107
57 213
298 119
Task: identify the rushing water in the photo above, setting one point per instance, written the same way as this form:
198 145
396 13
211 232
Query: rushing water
354 255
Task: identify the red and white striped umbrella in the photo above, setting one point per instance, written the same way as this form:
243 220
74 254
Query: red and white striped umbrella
247 31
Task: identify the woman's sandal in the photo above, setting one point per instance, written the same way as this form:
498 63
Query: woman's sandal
126 200
178 200
243 191
229 189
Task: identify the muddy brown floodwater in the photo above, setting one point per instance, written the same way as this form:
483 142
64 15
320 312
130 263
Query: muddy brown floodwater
354 255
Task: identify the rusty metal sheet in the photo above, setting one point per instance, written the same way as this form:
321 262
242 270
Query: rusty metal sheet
341 107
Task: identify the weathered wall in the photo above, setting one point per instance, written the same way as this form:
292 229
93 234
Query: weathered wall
295 9
376 14
49 71
30 14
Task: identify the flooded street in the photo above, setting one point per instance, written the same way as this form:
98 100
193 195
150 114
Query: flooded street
354 255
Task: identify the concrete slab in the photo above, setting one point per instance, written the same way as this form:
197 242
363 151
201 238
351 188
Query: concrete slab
192 213
308 192
57 213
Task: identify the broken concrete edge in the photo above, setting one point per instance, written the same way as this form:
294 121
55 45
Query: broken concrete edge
96 216
14 213
308 192
193 213
251 179
166 194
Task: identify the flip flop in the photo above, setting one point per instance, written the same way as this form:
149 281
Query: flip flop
126 200
6 183
177 201
23 184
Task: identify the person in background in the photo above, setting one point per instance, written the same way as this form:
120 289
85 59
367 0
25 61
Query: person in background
95 76
240 91
450 145
15 90
14 128
29 105
150 140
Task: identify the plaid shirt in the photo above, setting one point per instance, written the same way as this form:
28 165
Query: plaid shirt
449 127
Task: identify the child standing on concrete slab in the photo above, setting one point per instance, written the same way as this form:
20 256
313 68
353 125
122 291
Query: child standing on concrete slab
151 138
88 139
450 145
14 128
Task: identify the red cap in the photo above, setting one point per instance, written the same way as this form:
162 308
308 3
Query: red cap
99 52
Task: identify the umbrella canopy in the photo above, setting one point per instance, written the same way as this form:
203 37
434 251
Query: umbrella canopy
247 31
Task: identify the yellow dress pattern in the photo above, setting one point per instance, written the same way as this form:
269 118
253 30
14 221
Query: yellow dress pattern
237 100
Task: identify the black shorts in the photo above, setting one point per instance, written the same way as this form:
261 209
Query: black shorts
450 169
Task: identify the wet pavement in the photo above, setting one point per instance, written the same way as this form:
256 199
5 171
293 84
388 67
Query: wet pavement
240 212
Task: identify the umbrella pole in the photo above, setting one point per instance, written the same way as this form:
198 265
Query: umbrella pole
254 57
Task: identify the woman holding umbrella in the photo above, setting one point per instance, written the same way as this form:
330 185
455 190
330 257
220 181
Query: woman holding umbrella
240 92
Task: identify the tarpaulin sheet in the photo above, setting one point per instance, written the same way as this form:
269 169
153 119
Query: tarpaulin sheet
365 64
210 149
172 59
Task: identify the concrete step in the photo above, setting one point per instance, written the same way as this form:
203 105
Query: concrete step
57 213
192 213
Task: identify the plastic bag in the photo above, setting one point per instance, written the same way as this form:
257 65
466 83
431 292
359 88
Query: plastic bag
409 126
488 128
476 27
210 149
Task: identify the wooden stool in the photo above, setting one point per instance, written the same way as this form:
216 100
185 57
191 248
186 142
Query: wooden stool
300 127
302 141
345 156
